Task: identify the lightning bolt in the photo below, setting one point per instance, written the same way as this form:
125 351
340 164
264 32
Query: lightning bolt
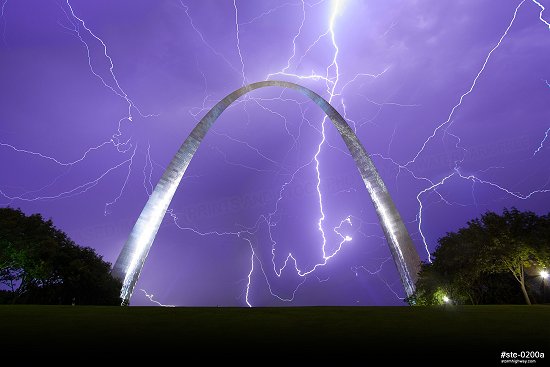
55 160
335 10
80 189
116 88
334 86
239 41
79 28
253 256
447 124
295 37
501 188
542 142
470 90
131 160
150 297
432 187
268 12
548 130
203 39
542 9
331 79
147 177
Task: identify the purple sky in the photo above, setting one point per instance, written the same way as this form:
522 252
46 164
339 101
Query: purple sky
450 97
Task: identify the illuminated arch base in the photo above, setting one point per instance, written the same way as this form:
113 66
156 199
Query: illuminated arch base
132 257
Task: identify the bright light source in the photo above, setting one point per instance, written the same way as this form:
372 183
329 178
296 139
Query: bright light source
544 274
337 6
446 299
348 238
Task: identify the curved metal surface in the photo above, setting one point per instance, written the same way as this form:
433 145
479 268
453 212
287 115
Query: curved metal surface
132 257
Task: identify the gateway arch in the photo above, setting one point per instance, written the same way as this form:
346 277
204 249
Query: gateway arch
132 257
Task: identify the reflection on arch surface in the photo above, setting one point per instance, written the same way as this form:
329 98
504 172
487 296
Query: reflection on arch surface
132 257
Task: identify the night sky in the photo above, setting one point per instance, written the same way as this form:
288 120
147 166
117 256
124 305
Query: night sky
451 99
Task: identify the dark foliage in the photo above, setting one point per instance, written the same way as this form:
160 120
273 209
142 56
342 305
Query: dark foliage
41 264
494 259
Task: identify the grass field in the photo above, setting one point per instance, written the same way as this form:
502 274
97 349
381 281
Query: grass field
391 334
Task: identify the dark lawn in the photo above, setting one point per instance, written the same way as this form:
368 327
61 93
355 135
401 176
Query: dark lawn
376 334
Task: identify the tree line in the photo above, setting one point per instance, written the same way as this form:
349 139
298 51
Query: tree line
40 264
495 259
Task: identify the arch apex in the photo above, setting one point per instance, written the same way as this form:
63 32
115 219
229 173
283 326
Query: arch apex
132 257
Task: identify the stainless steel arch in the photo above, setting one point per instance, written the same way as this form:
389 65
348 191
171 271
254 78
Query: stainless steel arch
132 257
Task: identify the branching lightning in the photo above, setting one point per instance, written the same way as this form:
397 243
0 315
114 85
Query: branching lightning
239 40
335 87
122 146
470 90
542 9
431 188
201 36
448 122
150 297
331 79
542 142
147 177
55 160
107 205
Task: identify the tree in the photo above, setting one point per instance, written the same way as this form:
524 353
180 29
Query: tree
431 288
513 242
41 264
477 263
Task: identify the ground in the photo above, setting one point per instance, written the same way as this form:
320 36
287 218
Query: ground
371 335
